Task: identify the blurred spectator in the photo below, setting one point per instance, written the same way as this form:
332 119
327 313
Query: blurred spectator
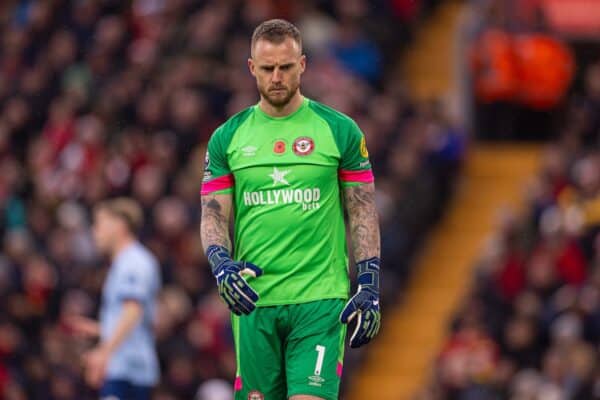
520 75
536 292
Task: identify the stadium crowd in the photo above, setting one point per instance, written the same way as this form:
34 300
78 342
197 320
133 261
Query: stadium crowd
102 98
519 70
530 327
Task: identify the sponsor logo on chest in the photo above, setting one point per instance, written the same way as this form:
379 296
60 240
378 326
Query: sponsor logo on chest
308 198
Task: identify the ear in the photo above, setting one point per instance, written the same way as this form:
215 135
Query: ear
251 66
302 63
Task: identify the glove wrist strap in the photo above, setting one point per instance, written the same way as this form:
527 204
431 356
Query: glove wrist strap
368 273
217 255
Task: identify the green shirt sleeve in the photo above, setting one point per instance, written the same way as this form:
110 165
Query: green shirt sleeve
217 172
354 154
215 163
355 167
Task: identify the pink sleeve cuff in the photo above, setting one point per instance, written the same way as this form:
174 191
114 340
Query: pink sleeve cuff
216 184
362 176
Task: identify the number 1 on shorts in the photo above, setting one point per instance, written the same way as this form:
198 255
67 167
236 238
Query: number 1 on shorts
320 356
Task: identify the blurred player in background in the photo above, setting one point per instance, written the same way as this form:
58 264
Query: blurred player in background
289 166
124 365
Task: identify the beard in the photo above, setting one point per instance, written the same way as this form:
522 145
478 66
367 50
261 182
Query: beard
279 98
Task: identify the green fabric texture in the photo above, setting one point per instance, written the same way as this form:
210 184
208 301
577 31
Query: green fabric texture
347 135
217 164
287 197
288 350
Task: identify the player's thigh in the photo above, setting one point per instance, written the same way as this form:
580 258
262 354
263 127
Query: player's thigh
259 354
315 349
305 397
138 392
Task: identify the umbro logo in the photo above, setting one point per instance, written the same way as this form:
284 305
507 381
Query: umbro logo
249 151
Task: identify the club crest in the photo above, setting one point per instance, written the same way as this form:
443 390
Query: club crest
303 146
255 395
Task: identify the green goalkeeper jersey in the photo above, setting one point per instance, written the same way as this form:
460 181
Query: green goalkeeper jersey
285 175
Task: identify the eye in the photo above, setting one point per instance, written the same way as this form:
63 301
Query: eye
267 68
285 67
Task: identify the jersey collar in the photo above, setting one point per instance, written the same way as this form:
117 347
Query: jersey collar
303 106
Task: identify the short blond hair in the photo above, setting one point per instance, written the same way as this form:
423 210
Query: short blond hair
276 31
125 208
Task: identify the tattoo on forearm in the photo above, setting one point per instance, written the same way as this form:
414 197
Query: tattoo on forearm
214 228
363 221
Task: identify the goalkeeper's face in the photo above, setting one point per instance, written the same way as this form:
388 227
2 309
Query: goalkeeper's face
277 68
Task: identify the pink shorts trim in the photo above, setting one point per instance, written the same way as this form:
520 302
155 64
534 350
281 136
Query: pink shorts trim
237 385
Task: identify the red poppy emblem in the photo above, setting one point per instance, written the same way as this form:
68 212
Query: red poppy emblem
279 147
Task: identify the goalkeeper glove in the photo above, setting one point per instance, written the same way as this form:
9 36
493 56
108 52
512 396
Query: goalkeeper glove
233 288
364 304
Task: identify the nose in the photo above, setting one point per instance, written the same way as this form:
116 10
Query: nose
276 78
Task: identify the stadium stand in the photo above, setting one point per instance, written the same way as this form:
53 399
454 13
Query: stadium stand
529 326
101 98
526 326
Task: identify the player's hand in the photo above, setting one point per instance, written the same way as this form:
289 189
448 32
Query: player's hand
233 288
364 304
82 326
96 362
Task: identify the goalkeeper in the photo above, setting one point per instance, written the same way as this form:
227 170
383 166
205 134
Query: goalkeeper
289 166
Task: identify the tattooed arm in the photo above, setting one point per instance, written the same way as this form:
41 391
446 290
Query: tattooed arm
214 230
363 220
364 232
214 226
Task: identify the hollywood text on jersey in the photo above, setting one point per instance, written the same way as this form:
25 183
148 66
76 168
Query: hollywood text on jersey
308 198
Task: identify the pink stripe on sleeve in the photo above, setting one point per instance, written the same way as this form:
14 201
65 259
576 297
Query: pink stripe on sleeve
220 183
339 369
363 176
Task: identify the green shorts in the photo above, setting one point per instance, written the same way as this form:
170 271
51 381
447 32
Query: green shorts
288 350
